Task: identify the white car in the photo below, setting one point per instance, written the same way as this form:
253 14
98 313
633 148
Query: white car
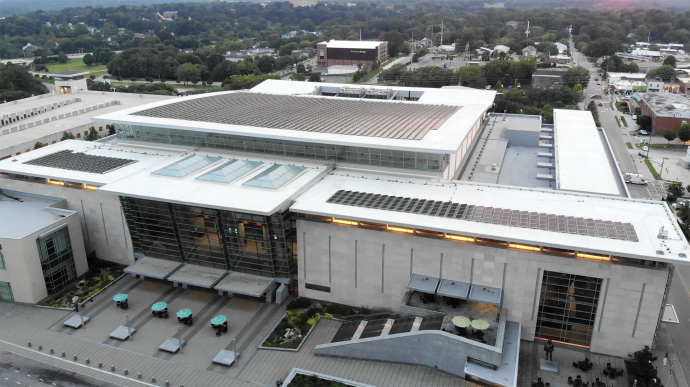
644 132
645 148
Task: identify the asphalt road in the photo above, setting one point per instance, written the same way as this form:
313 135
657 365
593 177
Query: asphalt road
679 295
17 370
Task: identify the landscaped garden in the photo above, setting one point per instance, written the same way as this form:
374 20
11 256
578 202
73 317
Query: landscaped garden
300 318
92 282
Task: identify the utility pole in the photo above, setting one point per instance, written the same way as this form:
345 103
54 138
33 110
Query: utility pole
441 33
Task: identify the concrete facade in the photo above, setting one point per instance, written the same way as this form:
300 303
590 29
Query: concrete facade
23 264
369 268
103 230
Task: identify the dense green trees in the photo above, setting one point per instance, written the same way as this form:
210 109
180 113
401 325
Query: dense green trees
17 83
616 64
665 72
577 75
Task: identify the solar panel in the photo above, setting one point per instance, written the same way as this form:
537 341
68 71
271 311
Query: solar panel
275 176
230 171
500 216
82 162
342 116
186 166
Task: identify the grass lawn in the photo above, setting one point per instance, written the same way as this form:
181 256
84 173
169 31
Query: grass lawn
76 64
669 146
621 107
618 121
612 108
624 122
651 168
629 145
370 74
173 84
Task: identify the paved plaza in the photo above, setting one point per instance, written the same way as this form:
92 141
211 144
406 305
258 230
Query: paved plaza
249 321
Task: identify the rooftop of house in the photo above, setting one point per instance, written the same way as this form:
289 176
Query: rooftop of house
543 217
23 214
437 122
61 118
356 44
668 104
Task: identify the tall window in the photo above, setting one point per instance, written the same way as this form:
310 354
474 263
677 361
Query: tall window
57 260
2 259
567 308
5 292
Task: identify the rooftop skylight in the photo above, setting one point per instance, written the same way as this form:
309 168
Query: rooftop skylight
186 166
275 177
230 171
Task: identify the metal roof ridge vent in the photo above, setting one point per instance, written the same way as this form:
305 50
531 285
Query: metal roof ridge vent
663 234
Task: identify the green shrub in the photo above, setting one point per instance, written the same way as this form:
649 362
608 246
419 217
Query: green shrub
339 310
111 278
328 315
312 321
294 317
300 303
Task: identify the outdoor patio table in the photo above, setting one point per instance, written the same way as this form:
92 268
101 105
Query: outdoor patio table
461 321
479 324
601 384
120 298
218 320
184 313
159 306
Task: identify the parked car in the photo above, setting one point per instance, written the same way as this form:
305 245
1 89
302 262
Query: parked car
601 104
634 117
644 132
645 148
596 79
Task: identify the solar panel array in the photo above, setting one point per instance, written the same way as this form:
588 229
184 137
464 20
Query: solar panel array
186 166
82 162
322 115
501 216
275 176
230 171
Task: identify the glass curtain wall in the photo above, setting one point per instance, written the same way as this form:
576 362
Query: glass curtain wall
341 153
6 291
57 260
254 244
200 236
567 308
152 229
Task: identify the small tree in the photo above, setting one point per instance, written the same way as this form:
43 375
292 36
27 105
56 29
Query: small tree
88 59
684 132
133 79
300 69
67 136
315 77
62 58
499 85
38 145
149 79
670 61
675 190
111 129
670 135
92 77
644 121
92 136
297 77
688 188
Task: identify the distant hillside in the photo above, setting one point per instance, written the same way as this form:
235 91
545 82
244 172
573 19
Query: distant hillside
18 7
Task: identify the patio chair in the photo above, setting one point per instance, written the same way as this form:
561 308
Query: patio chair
570 380
620 372
538 380
124 305
575 364
534 384
606 372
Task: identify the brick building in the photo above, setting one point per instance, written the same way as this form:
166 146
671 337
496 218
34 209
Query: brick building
351 52
668 111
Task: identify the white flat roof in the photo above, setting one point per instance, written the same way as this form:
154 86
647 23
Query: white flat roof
357 44
582 161
445 140
32 214
647 217
146 156
60 125
233 196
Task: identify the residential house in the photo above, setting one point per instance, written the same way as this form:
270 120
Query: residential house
529 52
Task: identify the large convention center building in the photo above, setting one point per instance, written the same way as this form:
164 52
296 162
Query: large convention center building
352 196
